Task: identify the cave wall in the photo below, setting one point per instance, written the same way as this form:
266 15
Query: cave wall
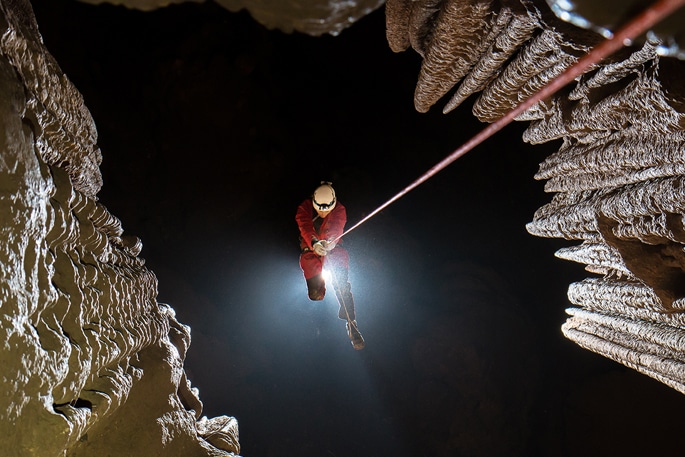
617 178
312 17
92 363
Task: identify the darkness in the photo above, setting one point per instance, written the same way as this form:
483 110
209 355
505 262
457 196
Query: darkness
213 129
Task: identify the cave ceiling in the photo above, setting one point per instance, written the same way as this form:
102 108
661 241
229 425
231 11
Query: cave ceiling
313 17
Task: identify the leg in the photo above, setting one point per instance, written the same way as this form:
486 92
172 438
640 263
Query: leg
337 261
343 290
311 265
346 311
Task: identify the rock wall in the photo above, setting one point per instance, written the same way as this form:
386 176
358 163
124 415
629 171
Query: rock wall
313 17
92 364
617 177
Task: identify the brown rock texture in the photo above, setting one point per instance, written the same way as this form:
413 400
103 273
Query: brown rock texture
92 364
312 17
617 177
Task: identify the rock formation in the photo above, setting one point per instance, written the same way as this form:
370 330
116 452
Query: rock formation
313 17
86 347
617 177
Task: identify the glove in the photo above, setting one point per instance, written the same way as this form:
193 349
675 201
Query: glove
329 245
319 248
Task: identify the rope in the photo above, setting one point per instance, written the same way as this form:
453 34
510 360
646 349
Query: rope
624 36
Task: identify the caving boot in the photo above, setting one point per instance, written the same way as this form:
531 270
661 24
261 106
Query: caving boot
355 337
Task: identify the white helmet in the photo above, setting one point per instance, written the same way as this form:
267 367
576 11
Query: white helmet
324 197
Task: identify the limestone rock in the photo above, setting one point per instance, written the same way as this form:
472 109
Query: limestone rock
313 17
92 364
618 175
606 17
143 5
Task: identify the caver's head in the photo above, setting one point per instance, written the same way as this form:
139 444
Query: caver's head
324 199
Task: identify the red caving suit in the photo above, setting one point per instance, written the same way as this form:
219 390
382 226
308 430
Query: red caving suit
314 228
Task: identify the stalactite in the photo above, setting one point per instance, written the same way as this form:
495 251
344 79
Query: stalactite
569 215
397 24
421 19
623 157
457 49
518 28
573 215
616 338
617 178
526 73
601 293
636 103
599 258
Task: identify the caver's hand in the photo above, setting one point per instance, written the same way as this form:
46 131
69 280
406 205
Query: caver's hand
319 248
328 245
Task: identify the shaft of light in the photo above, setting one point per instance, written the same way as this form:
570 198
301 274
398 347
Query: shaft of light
624 36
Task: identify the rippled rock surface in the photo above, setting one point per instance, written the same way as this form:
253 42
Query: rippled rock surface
313 17
91 363
617 178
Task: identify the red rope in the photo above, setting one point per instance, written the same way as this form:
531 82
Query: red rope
635 27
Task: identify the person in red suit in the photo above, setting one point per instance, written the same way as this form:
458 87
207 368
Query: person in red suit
321 220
